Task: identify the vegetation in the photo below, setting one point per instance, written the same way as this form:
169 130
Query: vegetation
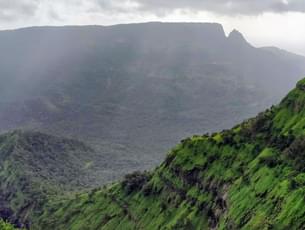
6 226
36 167
249 177
134 91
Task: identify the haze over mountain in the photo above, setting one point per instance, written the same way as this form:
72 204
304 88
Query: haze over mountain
249 177
133 91
35 167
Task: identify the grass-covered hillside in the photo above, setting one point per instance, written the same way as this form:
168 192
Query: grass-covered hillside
35 167
249 177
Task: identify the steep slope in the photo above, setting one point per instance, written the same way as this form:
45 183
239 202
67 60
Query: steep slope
35 167
249 177
135 90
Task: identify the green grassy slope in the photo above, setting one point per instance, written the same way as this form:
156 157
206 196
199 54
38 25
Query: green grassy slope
35 167
6 226
249 177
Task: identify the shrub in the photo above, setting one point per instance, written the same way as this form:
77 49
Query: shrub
281 141
186 142
295 152
270 161
6 226
262 123
228 138
135 181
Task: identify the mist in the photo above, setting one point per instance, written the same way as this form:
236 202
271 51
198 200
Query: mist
263 23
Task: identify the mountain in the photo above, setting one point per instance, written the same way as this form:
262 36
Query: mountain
249 177
34 167
133 91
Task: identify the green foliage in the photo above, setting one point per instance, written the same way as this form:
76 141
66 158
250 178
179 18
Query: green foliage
134 182
6 226
269 157
250 177
135 97
295 152
36 167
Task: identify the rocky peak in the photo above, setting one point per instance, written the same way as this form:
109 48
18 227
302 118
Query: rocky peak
237 37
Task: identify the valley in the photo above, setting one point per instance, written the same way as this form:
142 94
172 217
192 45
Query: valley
129 95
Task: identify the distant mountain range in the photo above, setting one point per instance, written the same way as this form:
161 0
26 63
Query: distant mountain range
132 91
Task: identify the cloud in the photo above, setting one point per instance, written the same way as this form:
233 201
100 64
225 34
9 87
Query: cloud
17 9
229 7
263 22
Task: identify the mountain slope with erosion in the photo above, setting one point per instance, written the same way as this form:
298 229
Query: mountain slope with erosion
249 177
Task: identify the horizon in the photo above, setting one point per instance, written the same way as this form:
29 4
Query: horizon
278 23
226 31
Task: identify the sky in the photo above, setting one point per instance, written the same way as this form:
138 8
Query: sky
278 23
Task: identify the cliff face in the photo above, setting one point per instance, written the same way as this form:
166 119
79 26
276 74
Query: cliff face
249 177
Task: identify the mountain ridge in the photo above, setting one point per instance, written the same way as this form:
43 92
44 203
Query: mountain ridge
218 25
133 91
249 177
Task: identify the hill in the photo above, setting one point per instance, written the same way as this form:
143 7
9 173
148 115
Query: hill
34 167
133 91
249 177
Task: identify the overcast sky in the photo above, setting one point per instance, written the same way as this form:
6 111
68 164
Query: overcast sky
263 22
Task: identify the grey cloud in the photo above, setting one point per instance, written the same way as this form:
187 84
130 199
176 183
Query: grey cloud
218 6
17 9
14 10
228 7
